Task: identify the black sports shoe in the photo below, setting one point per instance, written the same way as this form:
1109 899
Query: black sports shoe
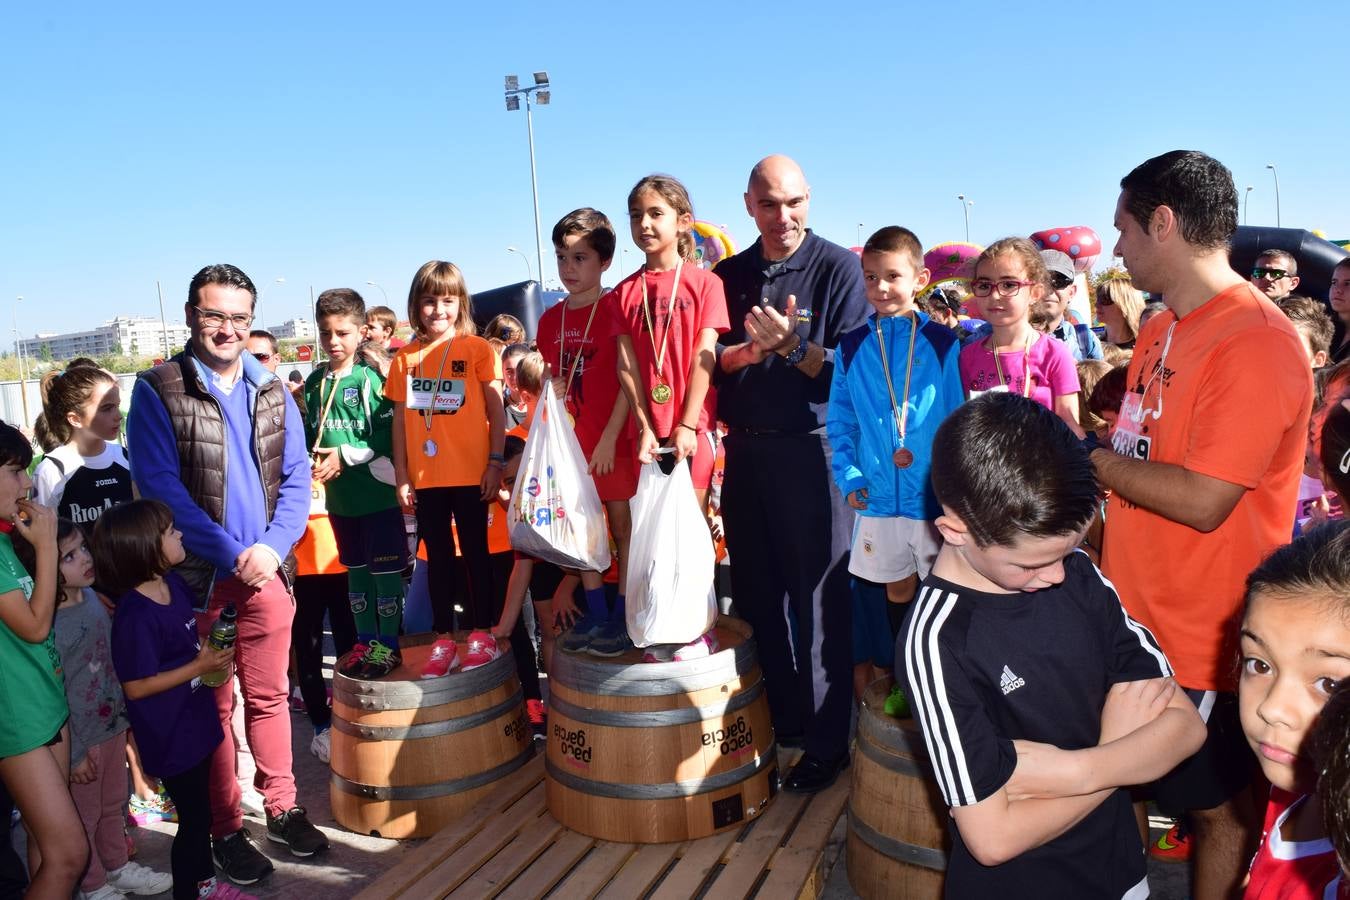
238 859
812 774
379 661
292 828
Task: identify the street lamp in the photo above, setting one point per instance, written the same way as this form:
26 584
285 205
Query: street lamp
1245 195
965 212
860 225
23 374
529 276
258 306
541 94
382 291
1271 167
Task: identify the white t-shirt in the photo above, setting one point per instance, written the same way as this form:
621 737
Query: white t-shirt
79 487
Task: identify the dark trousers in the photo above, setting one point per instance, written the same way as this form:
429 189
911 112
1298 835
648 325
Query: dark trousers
435 508
521 647
13 875
190 858
788 535
314 596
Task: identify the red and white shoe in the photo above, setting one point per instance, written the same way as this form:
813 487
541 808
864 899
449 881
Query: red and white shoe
444 657
480 649
352 661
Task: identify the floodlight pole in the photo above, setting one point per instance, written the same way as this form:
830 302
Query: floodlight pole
1246 195
1271 167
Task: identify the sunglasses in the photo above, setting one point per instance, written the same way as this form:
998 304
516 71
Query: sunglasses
262 357
1269 274
1105 301
1059 281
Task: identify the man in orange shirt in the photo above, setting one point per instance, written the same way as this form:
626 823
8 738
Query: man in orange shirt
1204 475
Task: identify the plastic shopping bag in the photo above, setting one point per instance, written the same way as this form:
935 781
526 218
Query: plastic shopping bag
670 561
555 513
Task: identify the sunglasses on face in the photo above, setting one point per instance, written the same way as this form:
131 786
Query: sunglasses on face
1060 281
1105 301
262 357
1269 274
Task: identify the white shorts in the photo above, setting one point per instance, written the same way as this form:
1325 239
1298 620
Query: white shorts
887 549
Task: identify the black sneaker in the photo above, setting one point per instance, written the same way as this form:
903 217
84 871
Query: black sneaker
379 661
238 859
292 828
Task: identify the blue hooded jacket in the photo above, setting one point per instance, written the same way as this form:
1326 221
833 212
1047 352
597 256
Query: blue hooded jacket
861 422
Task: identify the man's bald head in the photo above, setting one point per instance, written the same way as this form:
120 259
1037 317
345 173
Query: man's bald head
778 199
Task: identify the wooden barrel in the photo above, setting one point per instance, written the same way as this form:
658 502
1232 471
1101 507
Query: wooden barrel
409 756
659 752
897 836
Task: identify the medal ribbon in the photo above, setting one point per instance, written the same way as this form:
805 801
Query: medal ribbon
901 411
670 315
435 392
1026 366
562 337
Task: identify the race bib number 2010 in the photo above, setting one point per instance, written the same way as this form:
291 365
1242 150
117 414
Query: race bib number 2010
443 395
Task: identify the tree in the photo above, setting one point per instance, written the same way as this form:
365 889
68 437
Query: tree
45 353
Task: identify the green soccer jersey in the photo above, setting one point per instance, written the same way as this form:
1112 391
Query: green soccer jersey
352 414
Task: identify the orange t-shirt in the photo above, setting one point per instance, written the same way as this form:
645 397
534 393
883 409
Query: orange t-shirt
1232 395
316 553
443 383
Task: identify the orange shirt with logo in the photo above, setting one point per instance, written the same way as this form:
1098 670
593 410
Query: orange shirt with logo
441 388
1232 398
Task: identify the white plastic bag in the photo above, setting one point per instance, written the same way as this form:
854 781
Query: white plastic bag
670 561
555 513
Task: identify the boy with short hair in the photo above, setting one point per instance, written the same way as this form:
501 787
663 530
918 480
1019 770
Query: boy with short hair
349 427
896 377
1314 327
381 323
1037 695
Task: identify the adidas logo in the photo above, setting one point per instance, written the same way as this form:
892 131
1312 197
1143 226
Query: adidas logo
1009 681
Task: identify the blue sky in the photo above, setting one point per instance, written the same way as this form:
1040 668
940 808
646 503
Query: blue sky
338 143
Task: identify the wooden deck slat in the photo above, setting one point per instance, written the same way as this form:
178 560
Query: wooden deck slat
792 867
695 865
551 866
751 855
455 869
510 860
595 870
413 866
640 872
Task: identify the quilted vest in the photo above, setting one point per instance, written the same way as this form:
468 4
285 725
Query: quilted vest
200 432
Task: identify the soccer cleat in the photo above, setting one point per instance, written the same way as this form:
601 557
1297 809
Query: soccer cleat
352 661
134 878
1173 846
379 661
610 639
444 657
293 829
479 650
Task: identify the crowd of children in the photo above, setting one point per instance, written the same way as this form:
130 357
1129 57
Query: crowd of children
962 447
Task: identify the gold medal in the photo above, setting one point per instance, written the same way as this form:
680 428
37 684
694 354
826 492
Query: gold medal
902 458
661 393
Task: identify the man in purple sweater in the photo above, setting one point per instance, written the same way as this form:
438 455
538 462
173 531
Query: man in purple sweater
217 437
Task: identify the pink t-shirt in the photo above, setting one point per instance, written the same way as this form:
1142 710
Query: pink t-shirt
1049 365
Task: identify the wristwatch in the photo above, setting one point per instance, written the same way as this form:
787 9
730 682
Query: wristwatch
798 353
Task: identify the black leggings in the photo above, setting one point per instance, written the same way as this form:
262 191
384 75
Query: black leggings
521 646
435 508
190 858
315 595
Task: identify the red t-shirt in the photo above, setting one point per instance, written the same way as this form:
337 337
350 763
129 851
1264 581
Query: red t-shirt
1293 870
589 345
701 304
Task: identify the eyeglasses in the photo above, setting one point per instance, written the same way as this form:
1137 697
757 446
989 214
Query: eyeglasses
262 357
1007 287
1269 274
212 320
1059 281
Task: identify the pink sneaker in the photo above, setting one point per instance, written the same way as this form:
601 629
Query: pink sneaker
480 650
218 889
704 645
444 657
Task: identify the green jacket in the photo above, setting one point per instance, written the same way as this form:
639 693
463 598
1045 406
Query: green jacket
360 422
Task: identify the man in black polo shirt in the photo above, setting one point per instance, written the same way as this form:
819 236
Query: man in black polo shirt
790 297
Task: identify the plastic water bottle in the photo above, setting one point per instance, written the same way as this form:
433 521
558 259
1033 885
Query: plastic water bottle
222 637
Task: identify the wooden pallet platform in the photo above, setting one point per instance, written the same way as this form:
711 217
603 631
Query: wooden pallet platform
510 846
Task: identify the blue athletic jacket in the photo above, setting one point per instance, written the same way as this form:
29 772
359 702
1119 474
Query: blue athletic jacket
862 426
